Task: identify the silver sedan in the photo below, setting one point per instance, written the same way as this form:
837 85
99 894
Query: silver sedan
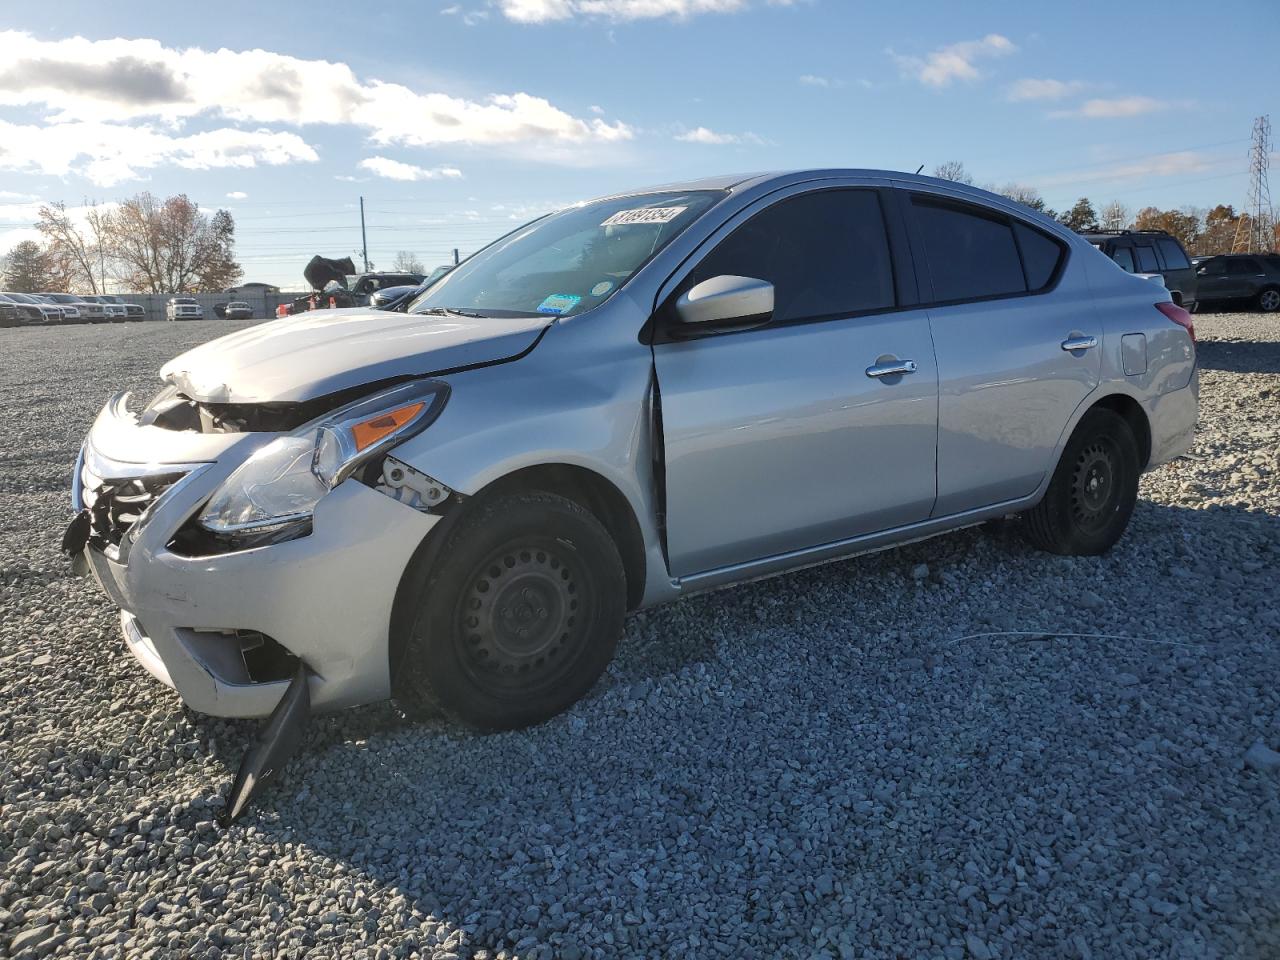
455 503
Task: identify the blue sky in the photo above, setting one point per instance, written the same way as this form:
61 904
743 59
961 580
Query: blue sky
456 119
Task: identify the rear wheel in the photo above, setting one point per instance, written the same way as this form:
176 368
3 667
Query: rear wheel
1093 491
518 617
1269 300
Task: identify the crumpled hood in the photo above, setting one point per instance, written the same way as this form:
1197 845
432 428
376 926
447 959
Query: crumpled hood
324 351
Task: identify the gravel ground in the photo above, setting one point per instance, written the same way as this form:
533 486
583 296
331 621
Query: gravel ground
812 766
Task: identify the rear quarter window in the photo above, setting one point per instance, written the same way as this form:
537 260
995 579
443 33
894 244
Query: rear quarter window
1041 255
1147 262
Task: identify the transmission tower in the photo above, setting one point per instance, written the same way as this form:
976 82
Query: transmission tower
1255 230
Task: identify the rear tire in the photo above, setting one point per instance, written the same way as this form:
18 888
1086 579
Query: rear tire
518 616
1093 491
1269 300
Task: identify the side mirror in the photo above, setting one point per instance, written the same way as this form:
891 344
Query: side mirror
728 300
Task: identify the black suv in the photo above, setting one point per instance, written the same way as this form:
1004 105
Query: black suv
1152 251
1250 277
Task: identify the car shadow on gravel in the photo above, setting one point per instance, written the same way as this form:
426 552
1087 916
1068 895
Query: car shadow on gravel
848 712
1239 356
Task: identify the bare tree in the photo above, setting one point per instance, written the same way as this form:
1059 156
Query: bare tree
953 170
76 255
171 246
407 262
1114 216
1021 193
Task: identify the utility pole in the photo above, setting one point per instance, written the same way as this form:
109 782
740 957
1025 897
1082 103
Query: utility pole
1254 229
364 238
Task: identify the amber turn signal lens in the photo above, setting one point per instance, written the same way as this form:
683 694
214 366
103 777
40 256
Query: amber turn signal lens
371 431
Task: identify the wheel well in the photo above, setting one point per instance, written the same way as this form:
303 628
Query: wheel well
1132 411
592 492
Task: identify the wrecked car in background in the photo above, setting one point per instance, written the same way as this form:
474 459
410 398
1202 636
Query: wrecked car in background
611 407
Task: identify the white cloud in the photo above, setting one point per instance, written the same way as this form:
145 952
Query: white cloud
544 11
813 80
713 138
1179 163
107 87
1116 107
395 170
1045 89
108 153
943 66
237 195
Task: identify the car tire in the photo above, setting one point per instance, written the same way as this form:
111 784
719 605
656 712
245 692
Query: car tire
1269 300
517 617
1093 490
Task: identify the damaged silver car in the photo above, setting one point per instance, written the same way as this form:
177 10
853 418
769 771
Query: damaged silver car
661 392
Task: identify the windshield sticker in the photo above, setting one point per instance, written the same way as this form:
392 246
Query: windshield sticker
601 288
559 303
644 215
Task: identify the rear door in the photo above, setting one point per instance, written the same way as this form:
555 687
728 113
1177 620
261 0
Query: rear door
785 436
1016 339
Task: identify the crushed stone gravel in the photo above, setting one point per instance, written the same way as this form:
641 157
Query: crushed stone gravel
957 749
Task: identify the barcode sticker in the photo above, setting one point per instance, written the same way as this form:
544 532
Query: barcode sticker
644 215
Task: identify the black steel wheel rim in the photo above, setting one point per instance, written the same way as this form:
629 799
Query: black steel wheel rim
1095 487
522 616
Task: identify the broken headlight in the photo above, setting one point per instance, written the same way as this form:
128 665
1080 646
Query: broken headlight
281 484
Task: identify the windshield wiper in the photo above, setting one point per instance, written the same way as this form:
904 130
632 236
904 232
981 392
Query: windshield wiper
446 311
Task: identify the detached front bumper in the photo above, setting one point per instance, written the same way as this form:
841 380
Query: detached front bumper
325 598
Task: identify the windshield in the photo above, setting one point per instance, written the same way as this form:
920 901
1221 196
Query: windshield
568 262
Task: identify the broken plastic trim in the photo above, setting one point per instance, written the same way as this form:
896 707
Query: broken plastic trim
276 744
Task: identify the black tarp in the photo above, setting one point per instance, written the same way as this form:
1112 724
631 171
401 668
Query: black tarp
321 271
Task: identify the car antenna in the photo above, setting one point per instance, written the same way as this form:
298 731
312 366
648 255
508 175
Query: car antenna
919 168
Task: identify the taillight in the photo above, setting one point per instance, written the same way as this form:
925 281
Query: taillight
1179 316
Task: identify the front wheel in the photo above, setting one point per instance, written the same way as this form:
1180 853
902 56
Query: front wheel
1093 491
518 617
1269 300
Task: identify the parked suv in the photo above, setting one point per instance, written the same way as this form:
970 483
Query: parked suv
238 310
1151 251
1250 278
183 308
619 404
10 314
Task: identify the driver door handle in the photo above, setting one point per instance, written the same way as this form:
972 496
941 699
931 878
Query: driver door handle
1079 343
891 368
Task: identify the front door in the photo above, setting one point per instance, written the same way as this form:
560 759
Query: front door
787 436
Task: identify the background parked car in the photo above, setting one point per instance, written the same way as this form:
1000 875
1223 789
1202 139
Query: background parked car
1151 251
390 295
238 310
78 309
132 311
1249 278
115 310
35 311
10 315
183 308
74 310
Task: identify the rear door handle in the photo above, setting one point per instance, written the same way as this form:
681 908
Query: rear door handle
1079 343
891 368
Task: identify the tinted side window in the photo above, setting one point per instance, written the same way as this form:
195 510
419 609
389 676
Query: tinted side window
1214 268
1124 257
970 255
1040 255
826 254
1147 262
1174 258
1243 267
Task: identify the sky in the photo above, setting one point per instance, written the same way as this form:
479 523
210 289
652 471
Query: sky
456 120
